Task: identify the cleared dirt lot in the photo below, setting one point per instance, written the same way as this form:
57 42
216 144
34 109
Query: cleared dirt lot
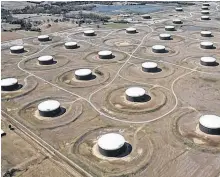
162 133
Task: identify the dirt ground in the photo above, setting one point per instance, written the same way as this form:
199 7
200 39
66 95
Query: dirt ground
162 135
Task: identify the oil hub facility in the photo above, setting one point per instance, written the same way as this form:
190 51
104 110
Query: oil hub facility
70 45
135 94
206 33
205 17
43 38
159 49
131 30
49 108
149 67
208 61
177 21
83 74
89 33
111 144
210 124
170 28
9 84
165 36
45 60
17 49
146 16
105 54
206 45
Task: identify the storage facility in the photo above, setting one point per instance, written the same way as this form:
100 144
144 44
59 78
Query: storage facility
206 33
49 108
208 61
206 45
43 38
159 49
111 144
9 84
17 49
210 124
170 28
131 30
45 60
70 45
105 54
89 33
135 94
149 67
83 74
165 36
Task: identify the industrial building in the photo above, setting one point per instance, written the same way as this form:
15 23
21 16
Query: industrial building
43 38
208 61
45 60
149 67
210 124
70 45
111 144
17 49
49 108
135 94
83 74
9 84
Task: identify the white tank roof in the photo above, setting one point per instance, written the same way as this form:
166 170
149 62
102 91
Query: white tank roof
145 15
205 11
49 105
158 47
205 3
17 47
135 92
169 27
111 141
131 29
206 43
176 20
165 35
205 16
210 121
208 59
149 65
206 32
83 72
70 43
105 53
89 31
43 37
45 58
179 8
8 82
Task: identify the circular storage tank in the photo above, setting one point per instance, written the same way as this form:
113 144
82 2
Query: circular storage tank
70 45
158 49
45 60
83 74
205 8
131 30
206 45
177 21
165 36
17 49
111 145
105 54
9 84
89 33
146 16
208 61
205 18
206 33
179 9
43 38
205 4
149 67
210 124
170 28
49 108
205 12
135 94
